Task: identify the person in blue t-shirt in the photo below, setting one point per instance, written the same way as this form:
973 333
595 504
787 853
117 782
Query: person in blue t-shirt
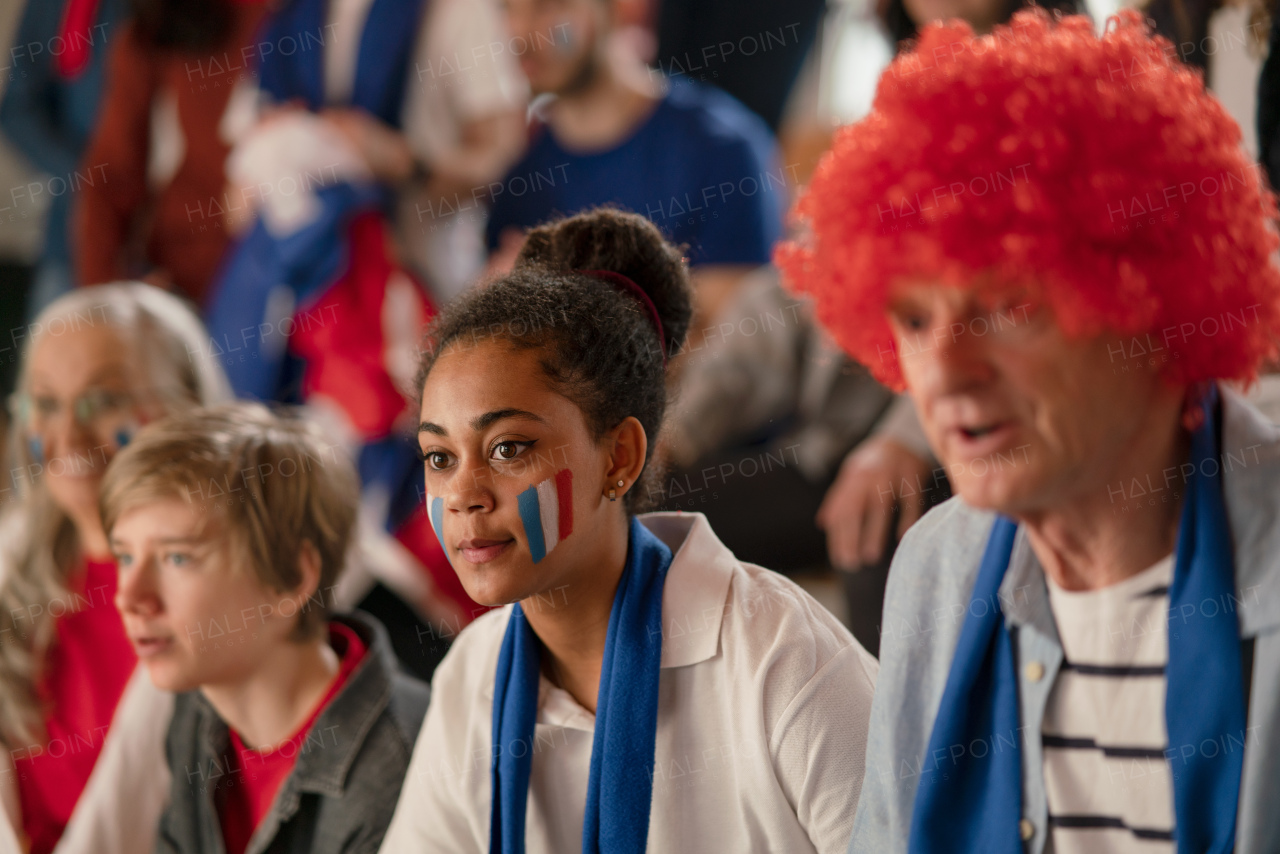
696 162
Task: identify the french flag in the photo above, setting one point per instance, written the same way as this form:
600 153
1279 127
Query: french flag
435 510
546 509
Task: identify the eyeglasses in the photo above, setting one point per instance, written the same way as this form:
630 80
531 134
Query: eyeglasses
37 412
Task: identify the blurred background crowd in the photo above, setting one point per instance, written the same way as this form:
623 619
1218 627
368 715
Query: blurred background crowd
315 179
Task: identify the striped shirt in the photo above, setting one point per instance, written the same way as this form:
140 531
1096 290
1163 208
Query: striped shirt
1105 773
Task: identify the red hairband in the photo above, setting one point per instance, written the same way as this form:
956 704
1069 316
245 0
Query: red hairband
627 285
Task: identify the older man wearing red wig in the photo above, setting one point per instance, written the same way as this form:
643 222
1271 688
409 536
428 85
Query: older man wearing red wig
1054 241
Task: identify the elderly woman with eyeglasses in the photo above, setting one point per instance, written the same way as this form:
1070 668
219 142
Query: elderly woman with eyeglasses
98 364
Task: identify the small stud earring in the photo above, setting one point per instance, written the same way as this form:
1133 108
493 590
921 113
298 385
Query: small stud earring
613 495
620 484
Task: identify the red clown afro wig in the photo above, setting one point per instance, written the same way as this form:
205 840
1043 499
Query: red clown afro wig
1096 171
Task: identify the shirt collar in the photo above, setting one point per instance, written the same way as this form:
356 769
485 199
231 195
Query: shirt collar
352 712
341 727
1251 485
697 586
1024 595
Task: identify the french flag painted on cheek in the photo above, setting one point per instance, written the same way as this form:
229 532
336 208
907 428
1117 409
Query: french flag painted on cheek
546 509
435 510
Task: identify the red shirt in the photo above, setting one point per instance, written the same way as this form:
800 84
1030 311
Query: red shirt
259 773
85 673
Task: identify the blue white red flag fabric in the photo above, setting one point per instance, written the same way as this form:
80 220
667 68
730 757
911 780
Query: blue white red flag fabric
546 509
320 309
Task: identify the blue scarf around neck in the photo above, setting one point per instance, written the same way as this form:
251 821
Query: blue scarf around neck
620 785
975 804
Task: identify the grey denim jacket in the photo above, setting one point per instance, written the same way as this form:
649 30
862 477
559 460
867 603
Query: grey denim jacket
338 798
930 582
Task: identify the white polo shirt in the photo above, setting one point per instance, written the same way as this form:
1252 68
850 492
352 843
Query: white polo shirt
763 707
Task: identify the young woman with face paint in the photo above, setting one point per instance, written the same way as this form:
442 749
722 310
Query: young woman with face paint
639 689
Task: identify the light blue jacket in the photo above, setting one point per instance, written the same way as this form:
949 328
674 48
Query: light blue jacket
930 584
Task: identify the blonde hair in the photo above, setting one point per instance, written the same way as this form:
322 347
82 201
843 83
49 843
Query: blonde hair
167 350
268 485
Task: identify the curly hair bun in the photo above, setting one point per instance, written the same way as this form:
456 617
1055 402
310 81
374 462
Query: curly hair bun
625 243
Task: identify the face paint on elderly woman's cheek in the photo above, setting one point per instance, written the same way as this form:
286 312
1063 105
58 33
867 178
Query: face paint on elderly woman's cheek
124 433
546 509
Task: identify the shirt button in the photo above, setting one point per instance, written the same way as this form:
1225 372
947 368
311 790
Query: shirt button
1026 830
1034 671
